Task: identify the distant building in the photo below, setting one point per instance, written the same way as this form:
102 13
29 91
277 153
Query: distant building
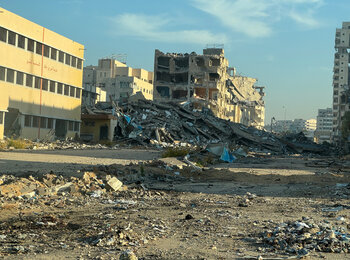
40 80
118 81
208 82
308 127
341 79
324 125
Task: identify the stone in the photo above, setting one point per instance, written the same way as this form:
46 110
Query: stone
114 184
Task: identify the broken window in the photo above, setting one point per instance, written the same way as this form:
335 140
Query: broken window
79 65
76 126
19 78
43 121
343 99
36 121
72 91
181 77
50 123
61 56
77 93
27 120
10 75
45 84
53 54
215 62
181 63
163 62
163 91
163 76
46 51
68 58
2 73
180 93
37 82
21 41
12 38
70 126
214 76
74 61
30 45
52 86
59 88
29 80
66 90
200 61
3 34
39 48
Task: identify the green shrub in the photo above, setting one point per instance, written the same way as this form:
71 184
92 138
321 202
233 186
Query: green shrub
175 152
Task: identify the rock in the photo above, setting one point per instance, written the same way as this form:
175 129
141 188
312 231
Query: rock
114 184
128 255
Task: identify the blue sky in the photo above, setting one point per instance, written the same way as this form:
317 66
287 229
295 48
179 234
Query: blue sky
288 45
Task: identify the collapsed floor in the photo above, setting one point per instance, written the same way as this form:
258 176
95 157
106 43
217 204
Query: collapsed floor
165 210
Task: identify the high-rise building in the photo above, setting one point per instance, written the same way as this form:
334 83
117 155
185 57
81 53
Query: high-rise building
324 125
40 80
341 79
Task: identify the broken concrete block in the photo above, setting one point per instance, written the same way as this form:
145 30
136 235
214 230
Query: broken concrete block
88 176
114 184
68 188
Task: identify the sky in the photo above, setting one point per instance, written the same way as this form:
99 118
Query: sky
288 45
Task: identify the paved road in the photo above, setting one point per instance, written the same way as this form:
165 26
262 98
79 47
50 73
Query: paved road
68 161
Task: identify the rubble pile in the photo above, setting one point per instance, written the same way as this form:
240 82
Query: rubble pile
173 124
304 236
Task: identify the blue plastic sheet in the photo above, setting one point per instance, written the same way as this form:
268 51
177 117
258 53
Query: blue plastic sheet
226 156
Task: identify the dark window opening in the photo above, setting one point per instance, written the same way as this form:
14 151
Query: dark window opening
68 57
50 123
213 76
3 34
59 88
80 63
181 77
2 73
77 93
27 121
200 62
39 48
163 62
21 41
70 126
74 62
10 75
43 121
29 80
76 126
46 51
36 121
45 84
182 62
215 62
19 78
53 54
52 86
163 91
30 45
72 91
37 82
180 93
66 90
61 56
12 38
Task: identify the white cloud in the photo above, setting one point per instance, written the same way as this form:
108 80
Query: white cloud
153 28
256 18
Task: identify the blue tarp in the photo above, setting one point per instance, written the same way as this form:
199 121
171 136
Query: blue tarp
226 156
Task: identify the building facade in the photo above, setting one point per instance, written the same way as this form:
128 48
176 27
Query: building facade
40 80
208 81
341 79
324 125
118 80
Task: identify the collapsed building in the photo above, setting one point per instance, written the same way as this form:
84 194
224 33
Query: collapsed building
207 81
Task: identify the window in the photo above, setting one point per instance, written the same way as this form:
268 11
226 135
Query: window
43 121
59 88
50 123
46 51
39 48
12 38
21 41
53 54
3 34
2 73
52 86
30 45
36 121
10 75
77 93
68 59
66 90
76 126
1 117
74 61
70 126
27 120
60 56
19 78
72 91
29 80
37 82
45 84
79 64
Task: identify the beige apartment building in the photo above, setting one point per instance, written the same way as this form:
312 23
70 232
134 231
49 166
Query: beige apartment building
40 80
118 80
208 81
341 79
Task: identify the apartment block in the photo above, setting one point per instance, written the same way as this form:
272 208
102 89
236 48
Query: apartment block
341 80
118 80
208 82
324 125
40 80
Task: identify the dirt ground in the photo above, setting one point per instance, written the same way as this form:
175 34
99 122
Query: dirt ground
170 213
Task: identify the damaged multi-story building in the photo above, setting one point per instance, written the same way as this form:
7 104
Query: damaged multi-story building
208 82
341 80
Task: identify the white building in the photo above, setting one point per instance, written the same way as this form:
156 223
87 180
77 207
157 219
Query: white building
324 125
